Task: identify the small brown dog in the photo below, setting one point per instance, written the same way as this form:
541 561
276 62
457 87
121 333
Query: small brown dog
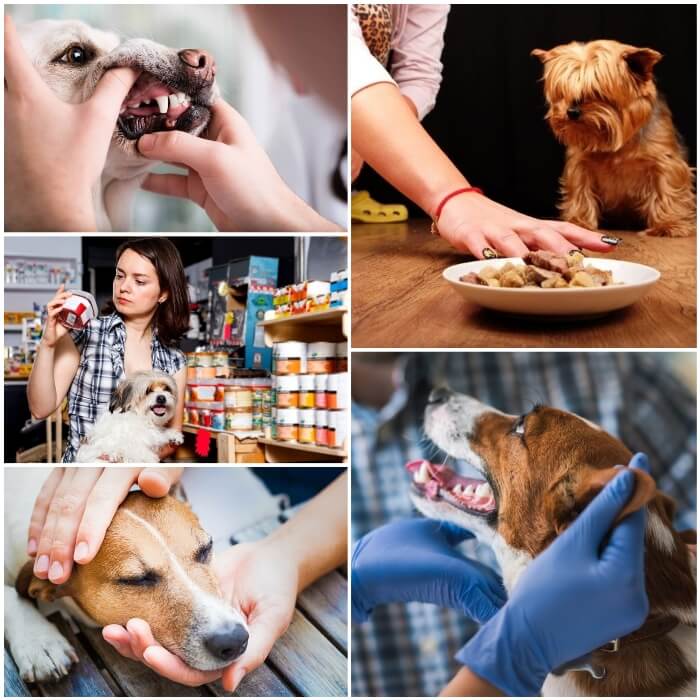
623 155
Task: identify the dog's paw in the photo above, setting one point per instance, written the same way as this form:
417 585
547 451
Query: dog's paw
176 437
673 230
43 658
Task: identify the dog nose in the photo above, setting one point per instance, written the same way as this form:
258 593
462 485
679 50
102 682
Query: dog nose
439 395
573 113
200 63
228 645
161 400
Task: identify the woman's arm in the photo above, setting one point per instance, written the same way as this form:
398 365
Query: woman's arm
467 684
176 422
52 374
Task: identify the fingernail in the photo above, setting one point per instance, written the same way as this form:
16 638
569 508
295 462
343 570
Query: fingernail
610 240
146 142
489 254
575 250
81 552
56 571
42 564
31 547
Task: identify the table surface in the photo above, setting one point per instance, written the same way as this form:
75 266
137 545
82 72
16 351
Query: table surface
310 659
400 300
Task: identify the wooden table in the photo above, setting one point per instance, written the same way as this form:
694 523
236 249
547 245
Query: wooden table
400 300
310 659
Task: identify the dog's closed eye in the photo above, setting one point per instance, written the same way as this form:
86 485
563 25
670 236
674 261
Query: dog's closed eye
203 554
147 579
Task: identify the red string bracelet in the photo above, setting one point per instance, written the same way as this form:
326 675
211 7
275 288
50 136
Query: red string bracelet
446 199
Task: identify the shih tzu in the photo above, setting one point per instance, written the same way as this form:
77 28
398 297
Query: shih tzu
133 429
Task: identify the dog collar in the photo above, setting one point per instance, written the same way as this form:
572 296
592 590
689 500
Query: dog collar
655 626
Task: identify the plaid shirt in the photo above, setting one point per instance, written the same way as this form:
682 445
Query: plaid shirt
101 368
407 650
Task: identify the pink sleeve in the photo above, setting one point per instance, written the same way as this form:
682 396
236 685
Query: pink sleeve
415 61
365 69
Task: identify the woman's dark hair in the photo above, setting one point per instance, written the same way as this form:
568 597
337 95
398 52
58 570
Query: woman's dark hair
172 317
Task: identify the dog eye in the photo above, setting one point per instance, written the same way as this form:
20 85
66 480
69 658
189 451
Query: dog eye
519 427
150 578
201 556
76 55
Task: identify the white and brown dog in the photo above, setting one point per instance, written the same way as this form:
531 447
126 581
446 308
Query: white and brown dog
155 564
134 428
174 91
539 470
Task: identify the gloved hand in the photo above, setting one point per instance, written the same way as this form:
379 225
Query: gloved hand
415 560
573 598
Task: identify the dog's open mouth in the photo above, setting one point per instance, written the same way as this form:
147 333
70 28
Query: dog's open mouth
160 411
439 482
151 105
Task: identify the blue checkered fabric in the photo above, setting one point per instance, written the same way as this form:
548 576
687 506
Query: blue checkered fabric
101 368
408 650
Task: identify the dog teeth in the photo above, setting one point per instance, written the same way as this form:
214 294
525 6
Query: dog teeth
457 490
469 490
182 98
483 490
162 103
422 476
174 100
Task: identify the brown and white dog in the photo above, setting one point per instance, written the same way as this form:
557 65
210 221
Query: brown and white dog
155 563
539 471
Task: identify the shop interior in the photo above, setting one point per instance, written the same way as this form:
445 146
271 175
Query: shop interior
266 349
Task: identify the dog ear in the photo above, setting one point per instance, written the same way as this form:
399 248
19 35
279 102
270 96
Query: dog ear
121 398
541 54
642 61
591 482
29 586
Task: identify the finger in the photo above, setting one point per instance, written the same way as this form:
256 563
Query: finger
111 90
180 147
473 242
583 238
223 116
481 607
140 636
172 667
41 509
156 481
640 461
506 242
454 534
109 491
120 639
541 238
170 185
627 541
72 504
20 74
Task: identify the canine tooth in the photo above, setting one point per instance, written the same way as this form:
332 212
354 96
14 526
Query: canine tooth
483 490
162 103
174 101
422 476
182 97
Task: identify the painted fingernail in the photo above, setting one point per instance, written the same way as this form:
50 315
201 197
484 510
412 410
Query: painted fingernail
489 254
31 547
56 571
81 552
42 564
610 240
575 250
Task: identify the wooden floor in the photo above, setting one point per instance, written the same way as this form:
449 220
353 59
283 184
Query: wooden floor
400 300
310 659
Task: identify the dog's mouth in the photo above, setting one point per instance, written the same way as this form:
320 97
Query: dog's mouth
152 105
438 482
159 410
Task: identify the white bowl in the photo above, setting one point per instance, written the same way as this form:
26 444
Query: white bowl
636 281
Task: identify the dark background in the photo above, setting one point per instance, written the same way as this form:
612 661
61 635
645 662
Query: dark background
489 116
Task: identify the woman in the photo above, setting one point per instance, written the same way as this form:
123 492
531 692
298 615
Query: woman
149 311
395 74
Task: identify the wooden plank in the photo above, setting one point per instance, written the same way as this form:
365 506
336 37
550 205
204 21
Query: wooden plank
135 678
14 685
84 679
263 682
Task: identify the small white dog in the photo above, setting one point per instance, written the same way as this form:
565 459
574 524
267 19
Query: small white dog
133 429
174 91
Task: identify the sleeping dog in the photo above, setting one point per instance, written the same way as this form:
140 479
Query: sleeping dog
174 91
538 471
155 564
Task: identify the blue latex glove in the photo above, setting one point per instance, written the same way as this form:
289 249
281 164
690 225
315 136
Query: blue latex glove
415 560
572 599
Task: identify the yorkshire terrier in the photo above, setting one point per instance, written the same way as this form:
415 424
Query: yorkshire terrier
623 155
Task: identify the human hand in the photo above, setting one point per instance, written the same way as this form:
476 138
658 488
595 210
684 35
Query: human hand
474 224
573 598
260 579
356 163
415 560
230 176
54 151
75 507
53 330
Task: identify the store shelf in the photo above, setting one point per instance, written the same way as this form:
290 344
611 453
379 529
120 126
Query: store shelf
331 326
13 328
189 428
31 287
301 447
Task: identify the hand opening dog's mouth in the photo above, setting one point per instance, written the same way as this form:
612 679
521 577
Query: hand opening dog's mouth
438 482
151 105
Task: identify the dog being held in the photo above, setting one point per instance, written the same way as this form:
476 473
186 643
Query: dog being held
133 429
623 155
174 91
155 563
538 471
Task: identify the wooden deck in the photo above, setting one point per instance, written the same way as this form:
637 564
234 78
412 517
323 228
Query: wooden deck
310 659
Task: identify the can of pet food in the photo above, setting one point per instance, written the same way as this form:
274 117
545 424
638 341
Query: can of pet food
289 358
288 424
320 358
288 391
78 310
307 425
320 390
322 428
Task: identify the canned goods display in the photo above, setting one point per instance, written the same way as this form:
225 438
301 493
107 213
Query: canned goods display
203 392
320 389
237 419
288 391
289 358
322 428
307 426
288 424
337 390
238 397
217 419
307 391
320 358
337 428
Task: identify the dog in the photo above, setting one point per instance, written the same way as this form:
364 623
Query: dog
623 155
174 91
133 429
155 564
539 470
